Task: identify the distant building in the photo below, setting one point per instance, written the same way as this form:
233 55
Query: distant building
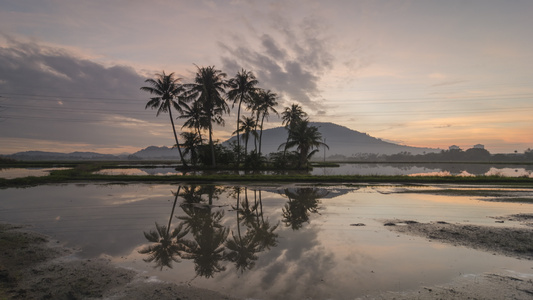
454 147
479 146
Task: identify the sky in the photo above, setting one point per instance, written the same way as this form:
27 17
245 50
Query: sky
418 73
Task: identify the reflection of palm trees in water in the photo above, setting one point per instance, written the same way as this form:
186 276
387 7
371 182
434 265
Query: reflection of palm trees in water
207 247
167 247
210 245
259 235
302 202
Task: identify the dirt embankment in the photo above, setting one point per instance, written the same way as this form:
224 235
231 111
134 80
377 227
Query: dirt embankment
33 267
509 241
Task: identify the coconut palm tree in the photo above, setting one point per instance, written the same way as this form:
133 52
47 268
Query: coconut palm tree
195 118
242 86
168 93
208 90
247 127
191 142
290 116
307 139
266 101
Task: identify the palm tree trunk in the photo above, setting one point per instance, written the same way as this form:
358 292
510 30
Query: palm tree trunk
255 130
238 139
303 158
173 207
246 144
261 134
285 148
199 134
238 220
214 164
176 137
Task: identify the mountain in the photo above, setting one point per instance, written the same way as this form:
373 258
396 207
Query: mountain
154 152
341 141
42 155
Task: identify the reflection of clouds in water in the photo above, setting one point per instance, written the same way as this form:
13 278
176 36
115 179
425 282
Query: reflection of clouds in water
299 257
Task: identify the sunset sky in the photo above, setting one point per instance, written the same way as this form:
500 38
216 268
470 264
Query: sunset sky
418 73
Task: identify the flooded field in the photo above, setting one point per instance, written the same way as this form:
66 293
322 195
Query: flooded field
363 169
10 173
273 241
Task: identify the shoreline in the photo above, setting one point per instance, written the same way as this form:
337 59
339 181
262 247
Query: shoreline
33 266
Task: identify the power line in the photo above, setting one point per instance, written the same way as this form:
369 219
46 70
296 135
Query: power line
71 97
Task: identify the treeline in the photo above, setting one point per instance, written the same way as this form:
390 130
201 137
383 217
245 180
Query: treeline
205 103
454 155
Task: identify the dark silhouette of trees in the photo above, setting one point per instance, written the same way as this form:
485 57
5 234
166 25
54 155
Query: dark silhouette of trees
191 143
265 103
168 93
195 118
290 117
209 90
307 140
242 87
246 126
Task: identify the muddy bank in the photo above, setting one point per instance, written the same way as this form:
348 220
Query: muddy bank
34 267
483 286
510 241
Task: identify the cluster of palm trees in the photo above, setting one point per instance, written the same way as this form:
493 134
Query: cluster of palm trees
204 103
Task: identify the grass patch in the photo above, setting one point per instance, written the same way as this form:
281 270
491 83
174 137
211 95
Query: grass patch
85 173
325 165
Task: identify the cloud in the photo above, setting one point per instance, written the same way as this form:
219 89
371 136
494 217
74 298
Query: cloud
50 93
290 58
28 66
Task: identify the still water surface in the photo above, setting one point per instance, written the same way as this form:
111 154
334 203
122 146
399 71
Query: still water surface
10 173
370 169
269 242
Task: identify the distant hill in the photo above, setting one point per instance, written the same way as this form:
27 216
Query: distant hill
157 153
341 141
42 155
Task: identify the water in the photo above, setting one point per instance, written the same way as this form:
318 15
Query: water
298 239
368 169
10 173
